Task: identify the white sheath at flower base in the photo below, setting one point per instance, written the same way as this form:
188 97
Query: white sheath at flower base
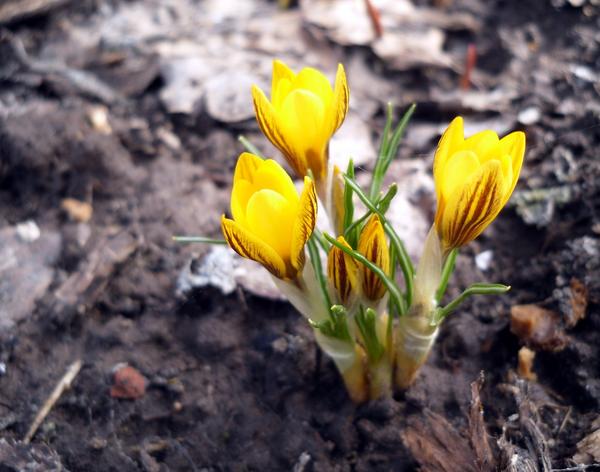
415 333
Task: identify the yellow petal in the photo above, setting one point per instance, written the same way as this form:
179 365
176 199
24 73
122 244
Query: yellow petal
338 107
372 244
513 145
240 195
314 81
302 118
450 142
342 272
481 144
246 167
269 124
270 175
304 224
270 218
471 209
281 83
247 245
460 166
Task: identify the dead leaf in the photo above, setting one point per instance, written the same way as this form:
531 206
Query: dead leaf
579 303
588 449
437 446
77 210
537 327
478 434
128 383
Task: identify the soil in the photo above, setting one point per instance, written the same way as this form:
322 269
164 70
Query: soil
234 382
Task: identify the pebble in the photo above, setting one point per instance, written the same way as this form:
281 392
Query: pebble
529 116
28 231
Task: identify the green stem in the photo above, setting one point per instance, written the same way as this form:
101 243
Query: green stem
446 273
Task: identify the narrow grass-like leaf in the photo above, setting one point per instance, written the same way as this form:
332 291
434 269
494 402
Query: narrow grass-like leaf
348 203
197 239
249 146
475 289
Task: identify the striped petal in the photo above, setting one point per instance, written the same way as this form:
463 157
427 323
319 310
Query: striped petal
246 167
338 108
268 122
250 247
281 82
450 142
304 223
372 244
469 211
342 272
513 145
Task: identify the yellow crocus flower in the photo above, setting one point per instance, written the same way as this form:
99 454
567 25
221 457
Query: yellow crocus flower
373 245
271 222
343 273
302 115
474 179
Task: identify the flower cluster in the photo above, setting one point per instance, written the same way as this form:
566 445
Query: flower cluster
372 311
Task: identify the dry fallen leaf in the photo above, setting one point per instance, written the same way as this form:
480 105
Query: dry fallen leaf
77 210
128 383
537 327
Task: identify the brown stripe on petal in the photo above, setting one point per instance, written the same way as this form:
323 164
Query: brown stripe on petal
275 136
476 212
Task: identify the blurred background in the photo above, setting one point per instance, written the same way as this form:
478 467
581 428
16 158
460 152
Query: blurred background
119 125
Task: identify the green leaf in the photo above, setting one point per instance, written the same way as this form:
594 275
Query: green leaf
336 326
378 173
197 239
475 289
446 273
366 320
348 203
390 285
249 146
315 259
388 148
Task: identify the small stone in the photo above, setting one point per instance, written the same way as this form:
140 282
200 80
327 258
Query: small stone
529 116
177 406
128 383
98 118
484 259
28 231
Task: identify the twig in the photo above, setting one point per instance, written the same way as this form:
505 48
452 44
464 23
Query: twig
375 18
61 386
578 468
465 81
